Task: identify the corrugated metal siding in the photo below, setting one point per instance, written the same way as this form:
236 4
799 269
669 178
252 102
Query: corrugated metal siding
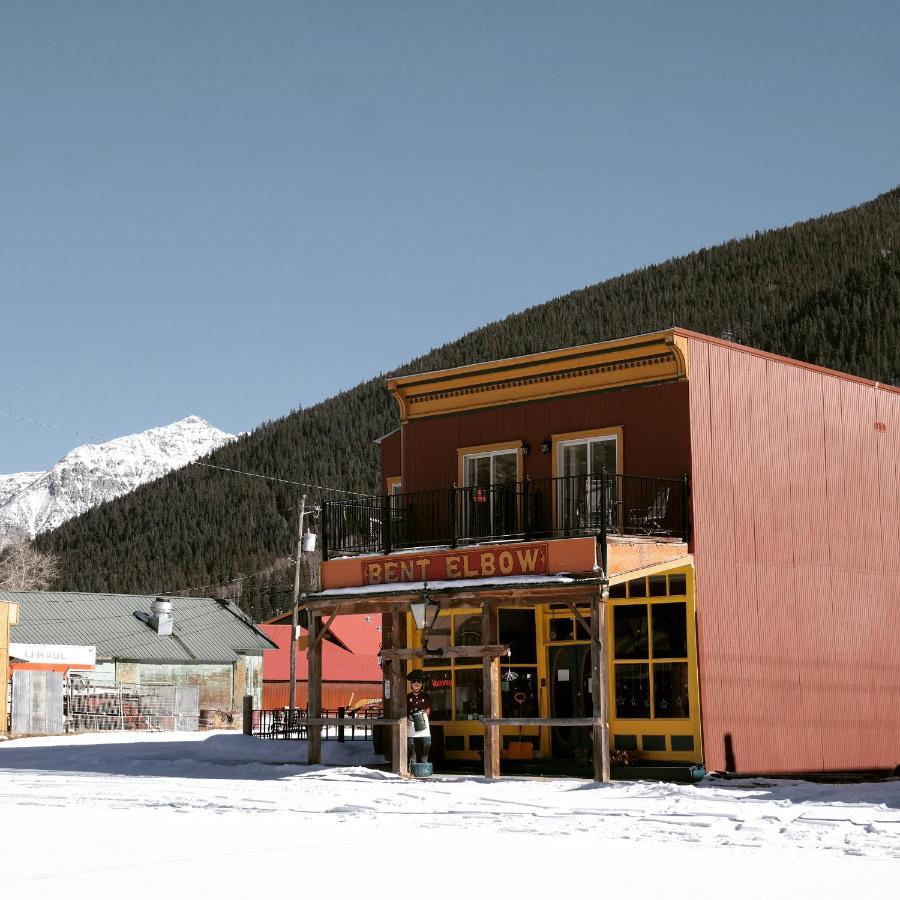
654 420
37 702
390 457
103 672
277 693
206 630
796 509
216 682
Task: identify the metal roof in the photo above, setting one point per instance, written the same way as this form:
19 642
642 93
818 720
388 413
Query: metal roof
337 664
205 630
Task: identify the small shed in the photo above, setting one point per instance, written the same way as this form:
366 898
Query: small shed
142 640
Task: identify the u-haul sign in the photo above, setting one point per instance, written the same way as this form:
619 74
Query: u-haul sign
55 654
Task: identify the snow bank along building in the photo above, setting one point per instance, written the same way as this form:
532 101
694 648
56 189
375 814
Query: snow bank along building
721 521
143 640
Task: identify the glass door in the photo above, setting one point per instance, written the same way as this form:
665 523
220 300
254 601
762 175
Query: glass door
489 507
581 465
569 667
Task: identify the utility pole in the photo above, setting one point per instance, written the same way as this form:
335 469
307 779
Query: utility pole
295 612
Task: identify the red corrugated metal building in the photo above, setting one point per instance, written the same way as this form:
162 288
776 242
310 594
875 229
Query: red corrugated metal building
351 671
760 599
796 541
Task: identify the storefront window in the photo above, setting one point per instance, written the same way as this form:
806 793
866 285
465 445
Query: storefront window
469 694
669 630
633 691
630 623
517 628
646 632
440 689
518 692
467 630
670 691
582 633
562 629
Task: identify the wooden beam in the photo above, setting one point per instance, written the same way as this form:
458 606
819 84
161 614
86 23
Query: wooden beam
583 722
314 688
399 759
311 645
585 624
475 652
599 692
512 595
490 687
350 721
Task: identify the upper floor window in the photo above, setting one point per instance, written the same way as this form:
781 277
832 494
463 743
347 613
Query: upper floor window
580 461
498 468
588 456
489 478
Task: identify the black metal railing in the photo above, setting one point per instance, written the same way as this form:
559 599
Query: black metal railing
350 725
533 509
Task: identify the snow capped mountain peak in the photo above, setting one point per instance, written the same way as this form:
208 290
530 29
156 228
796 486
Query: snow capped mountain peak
33 502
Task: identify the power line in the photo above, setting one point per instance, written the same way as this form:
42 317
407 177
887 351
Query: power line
303 484
92 437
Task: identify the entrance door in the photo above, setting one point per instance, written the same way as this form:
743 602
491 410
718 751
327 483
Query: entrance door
570 698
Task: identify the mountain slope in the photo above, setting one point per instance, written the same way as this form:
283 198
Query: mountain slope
10 485
826 291
95 473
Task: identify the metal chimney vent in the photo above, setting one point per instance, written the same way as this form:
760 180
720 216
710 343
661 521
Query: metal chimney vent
161 616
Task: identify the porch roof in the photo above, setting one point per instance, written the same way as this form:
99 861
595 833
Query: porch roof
535 588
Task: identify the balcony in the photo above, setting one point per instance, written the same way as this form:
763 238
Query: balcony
540 509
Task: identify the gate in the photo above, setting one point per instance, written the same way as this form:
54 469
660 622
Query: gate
98 706
37 702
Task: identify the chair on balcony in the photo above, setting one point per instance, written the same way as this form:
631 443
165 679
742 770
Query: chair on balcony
590 514
651 519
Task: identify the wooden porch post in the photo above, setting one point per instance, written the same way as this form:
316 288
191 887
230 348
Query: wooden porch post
314 700
490 667
599 689
399 761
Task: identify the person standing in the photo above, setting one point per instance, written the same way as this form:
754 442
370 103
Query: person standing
418 712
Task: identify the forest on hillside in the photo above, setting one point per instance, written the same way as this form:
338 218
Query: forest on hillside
825 291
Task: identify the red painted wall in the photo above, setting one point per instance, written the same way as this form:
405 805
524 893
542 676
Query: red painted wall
796 499
390 457
654 420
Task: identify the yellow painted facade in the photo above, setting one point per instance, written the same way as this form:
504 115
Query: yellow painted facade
9 616
649 737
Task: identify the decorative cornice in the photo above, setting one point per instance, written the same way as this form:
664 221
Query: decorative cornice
574 370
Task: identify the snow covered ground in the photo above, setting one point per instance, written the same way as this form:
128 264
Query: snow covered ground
218 815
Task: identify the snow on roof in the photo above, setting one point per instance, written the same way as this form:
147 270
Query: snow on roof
413 587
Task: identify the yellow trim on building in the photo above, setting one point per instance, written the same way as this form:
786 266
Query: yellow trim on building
639 731
9 616
643 359
667 728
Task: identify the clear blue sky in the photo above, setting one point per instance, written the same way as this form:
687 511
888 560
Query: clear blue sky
232 209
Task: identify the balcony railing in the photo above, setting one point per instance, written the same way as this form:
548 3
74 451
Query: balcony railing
538 509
